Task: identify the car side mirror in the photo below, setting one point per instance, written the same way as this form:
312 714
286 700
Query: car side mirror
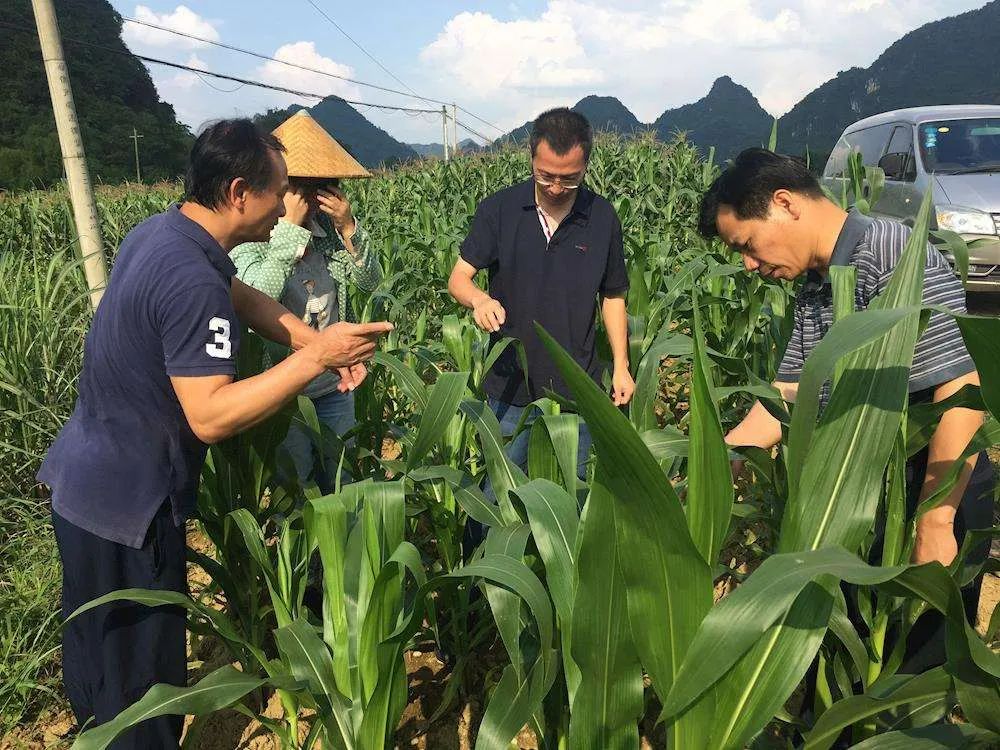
895 166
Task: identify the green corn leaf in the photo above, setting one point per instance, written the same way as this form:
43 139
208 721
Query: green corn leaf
669 587
386 688
326 521
310 661
710 487
498 349
953 245
552 449
982 339
254 539
442 405
454 342
666 443
929 686
741 618
552 513
504 475
608 700
467 493
408 381
938 737
922 419
156 597
222 688
516 699
509 542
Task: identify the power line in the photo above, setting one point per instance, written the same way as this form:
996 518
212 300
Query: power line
261 56
393 76
470 130
223 76
480 119
411 111
347 79
369 54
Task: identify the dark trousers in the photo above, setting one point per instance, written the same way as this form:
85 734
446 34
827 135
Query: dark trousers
113 654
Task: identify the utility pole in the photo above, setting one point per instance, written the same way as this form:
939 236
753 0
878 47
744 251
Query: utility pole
135 137
81 192
444 130
454 128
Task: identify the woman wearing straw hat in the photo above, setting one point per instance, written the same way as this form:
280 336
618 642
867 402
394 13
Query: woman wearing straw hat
315 251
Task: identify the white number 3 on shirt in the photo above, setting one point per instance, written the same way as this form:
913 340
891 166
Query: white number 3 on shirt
221 347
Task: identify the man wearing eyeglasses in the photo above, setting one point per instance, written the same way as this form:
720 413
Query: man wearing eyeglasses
552 248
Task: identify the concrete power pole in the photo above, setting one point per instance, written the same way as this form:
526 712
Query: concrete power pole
454 128
81 193
444 130
135 137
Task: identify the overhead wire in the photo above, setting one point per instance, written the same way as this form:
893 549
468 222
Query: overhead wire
200 73
395 77
346 79
226 77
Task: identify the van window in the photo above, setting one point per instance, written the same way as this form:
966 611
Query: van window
960 146
901 142
870 142
836 165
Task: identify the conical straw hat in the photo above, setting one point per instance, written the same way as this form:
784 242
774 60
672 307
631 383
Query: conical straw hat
312 152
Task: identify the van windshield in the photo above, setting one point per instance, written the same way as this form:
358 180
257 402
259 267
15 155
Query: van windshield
960 146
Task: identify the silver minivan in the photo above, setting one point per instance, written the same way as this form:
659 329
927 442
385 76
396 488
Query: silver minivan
953 149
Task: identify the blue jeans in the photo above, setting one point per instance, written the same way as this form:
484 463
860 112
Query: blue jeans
336 411
517 451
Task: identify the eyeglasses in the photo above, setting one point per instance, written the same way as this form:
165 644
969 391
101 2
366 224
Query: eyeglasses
567 183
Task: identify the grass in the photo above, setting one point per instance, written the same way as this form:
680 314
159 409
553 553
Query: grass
29 607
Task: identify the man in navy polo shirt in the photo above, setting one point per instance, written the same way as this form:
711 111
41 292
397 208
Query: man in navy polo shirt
158 384
551 248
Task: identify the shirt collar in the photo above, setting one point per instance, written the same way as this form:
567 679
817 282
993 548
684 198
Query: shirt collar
581 205
195 231
851 235
316 228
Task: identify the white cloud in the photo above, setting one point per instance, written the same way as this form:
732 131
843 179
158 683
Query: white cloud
662 54
524 57
304 54
860 6
488 55
682 22
181 19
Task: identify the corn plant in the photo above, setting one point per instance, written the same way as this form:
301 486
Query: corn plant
598 597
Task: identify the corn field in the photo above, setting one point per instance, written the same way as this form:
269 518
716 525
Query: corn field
653 602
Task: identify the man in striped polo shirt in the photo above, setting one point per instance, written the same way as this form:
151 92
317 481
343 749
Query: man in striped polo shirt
771 209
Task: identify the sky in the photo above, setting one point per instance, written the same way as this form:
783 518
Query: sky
504 62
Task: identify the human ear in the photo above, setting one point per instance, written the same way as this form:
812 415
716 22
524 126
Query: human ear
238 192
786 201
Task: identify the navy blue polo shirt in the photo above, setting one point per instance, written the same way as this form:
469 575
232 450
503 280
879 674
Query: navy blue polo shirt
127 447
553 282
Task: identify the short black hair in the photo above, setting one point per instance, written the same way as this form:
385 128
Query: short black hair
748 184
225 150
562 129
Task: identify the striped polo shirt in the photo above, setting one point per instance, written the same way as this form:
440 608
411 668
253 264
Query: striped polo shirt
874 247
